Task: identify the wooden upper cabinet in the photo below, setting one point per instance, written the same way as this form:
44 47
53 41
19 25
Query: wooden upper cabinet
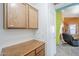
16 15
33 17
19 15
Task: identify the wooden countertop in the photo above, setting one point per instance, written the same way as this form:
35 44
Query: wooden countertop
22 48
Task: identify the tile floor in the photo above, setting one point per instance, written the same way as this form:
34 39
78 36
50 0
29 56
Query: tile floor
67 50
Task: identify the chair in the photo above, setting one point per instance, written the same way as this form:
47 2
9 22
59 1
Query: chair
70 40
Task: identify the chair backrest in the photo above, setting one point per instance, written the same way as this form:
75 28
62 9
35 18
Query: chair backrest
67 37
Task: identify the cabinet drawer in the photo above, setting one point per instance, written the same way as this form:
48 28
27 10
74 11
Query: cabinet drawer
30 54
41 53
40 48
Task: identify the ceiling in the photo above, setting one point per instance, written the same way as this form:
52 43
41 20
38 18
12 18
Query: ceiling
72 11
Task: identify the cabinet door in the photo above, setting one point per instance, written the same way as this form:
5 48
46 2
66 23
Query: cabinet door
33 17
41 53
16 15
32 53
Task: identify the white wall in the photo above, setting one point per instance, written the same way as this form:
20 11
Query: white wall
46 19
52 30
45 31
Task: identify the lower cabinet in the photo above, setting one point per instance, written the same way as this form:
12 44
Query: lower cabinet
41 53
30 54
29 48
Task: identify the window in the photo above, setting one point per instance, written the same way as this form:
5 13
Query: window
72 29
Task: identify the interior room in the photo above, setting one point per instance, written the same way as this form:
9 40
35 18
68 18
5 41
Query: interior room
27 29
39 29
68 43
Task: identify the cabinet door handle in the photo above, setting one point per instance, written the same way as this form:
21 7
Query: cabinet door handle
11 25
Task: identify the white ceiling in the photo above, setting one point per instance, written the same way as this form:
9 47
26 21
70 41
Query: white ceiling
60 5
72 11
